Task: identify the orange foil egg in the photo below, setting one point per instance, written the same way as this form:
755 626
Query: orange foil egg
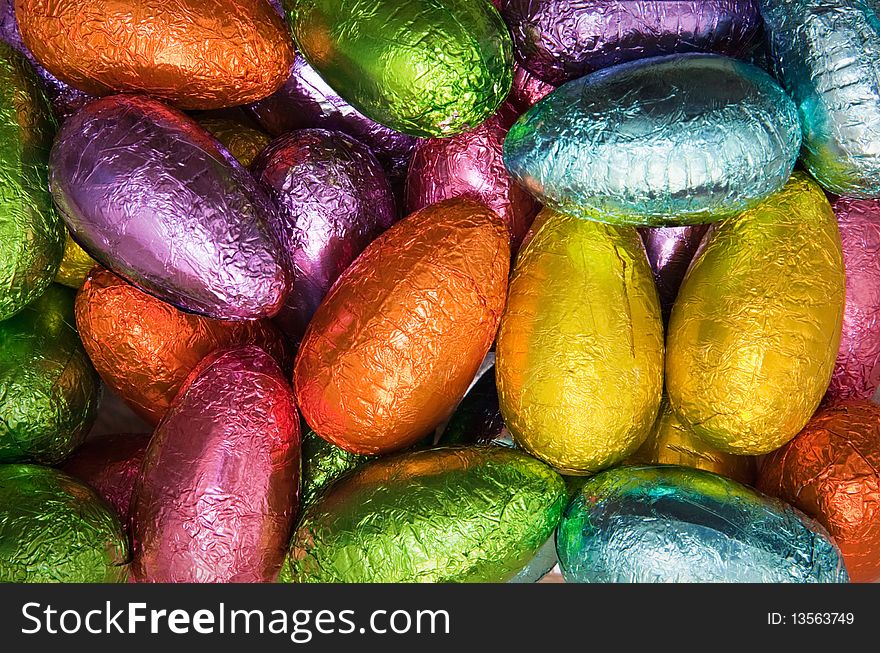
196 54
144 348
398 339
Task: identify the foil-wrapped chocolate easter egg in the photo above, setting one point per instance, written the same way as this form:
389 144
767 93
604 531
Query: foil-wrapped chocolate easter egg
216 496
477 419
468 514
152 196
31 235
196 54
670 251
55 529
322 465
756 327
580 350
825 53
671 524
560 40
472 165
242 141
144 349
666 141
423 68
831 471
75 264
49 389
527 90
333 199
397 341
857 369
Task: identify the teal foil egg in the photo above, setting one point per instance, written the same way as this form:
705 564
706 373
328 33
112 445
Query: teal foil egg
681 139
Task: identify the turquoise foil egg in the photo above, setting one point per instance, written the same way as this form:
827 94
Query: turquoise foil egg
674 140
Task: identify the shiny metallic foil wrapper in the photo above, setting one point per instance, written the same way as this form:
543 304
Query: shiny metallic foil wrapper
152 196
242 141
830 471
477 419
561 40
527 90
402 333
144 349
469 514
75 264
667 141
756 327
196 54
49 389
857 370
677 525
334 199
580 350
323 464
55 529
31 235
825 53
472 165
421 68
216 497
670 251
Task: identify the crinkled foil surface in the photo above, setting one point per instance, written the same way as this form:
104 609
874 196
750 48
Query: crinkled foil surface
756 327
670 251
323 464
830 471
215 498
527 90
827 55
54 529
196 54
334 199
423 68
683 139
561 40
49 389
582 328
402 333
75 264
144 349
673 524
243 142
477 419
152 196
470 514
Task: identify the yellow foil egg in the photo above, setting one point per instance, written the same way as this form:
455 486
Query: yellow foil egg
75 265
755 329
580 351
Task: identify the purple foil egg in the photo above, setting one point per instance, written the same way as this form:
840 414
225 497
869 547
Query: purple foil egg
670 251
152 196
560 40
334 199
857 370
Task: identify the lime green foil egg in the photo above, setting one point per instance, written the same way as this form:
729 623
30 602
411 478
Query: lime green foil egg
31 234
424 67
323 464
54 529
49 390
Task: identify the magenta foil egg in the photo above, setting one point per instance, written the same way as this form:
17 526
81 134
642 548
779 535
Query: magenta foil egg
670 251
218 489
527 90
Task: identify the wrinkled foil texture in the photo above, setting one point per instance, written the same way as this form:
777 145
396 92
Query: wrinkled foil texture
582 328
756 327
472 165
49 389
394 346
561 40
826 53
334 199
830 471
478 420
527 90
54 529
677 525
540 565
75 264
667 141
196 54
322 465
152 196
469 514
243 142
215 499
144 349
421 68
670 251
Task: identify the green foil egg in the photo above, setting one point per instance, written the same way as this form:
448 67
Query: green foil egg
49 390
465 514
323 464
424 67
54 529
31 234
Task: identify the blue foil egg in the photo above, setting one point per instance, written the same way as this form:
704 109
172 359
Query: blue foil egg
675 524
681 139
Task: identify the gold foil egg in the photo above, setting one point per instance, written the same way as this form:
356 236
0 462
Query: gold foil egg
75 264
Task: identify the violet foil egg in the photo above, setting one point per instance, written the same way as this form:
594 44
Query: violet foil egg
333 199
670 250
152 196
